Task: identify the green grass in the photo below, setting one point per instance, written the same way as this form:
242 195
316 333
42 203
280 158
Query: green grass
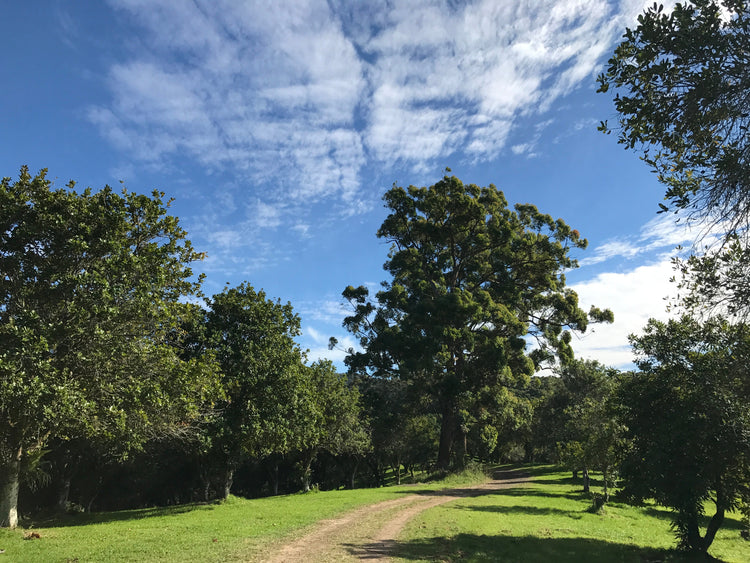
548 520
235 530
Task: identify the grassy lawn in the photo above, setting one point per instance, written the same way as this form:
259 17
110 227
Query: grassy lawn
547 520
541 521
235 530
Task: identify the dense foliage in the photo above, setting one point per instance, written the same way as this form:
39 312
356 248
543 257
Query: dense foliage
688 415
471 281
685 102
683 87
89 304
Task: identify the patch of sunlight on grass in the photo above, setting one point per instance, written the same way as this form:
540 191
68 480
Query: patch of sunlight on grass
548 520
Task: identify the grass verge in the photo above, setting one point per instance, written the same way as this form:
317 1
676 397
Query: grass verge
549 520
235 530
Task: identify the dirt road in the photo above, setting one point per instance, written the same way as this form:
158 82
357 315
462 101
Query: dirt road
370 532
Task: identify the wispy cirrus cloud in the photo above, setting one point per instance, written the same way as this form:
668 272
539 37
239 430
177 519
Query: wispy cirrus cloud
303 96
661 234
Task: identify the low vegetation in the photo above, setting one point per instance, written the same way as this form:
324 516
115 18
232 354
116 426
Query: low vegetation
543 520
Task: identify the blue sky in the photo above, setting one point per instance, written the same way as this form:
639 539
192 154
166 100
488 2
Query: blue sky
277 127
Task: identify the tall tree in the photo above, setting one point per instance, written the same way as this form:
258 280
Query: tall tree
688 414
90 289
471 281
337 426
593 436
267 409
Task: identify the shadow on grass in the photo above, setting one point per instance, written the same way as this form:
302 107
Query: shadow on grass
472 547
527 492
84 519
732 520
532 510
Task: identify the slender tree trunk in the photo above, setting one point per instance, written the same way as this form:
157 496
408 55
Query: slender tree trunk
716 521
465 451
69 463
586 480
353 472
307 460
447 433
606 488
273 478
228 480
63 493
9 477
713 526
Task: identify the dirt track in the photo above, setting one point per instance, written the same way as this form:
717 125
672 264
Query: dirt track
370 532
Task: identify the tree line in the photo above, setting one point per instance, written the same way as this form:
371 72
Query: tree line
122 385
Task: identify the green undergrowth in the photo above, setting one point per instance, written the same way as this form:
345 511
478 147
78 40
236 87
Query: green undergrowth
549 519
235 530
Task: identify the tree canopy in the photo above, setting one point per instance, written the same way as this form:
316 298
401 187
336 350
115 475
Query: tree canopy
89 311
472 280
683 98
266 408
688 414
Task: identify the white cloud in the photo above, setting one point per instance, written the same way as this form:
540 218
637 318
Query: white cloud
663 232
316 343
634 297
327 311
294 101
271 92
298 95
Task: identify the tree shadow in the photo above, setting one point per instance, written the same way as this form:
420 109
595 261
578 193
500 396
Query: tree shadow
479 548
87 518
531 510
528 492
732 520
527 468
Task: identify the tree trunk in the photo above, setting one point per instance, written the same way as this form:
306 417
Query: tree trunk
447 432
307 460
63 493
465 450
716 521
94 492
586 480
377 471
9 476
353 472
228 480
273 477
713 526
694 539
528 452
606 488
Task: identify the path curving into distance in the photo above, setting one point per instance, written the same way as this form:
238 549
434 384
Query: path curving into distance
370 532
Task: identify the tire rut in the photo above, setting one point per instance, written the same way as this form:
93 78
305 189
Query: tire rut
370 532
